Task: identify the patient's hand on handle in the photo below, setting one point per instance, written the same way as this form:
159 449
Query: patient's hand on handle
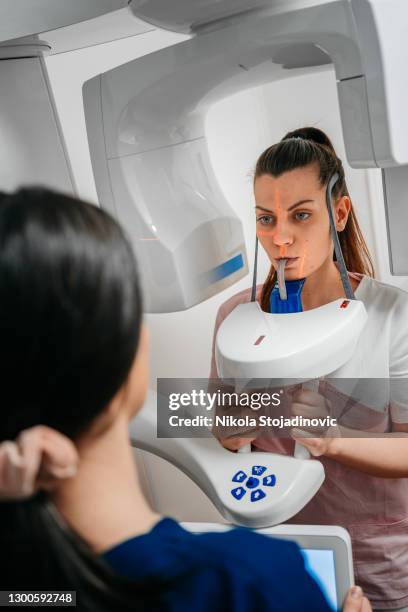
231 437
236 442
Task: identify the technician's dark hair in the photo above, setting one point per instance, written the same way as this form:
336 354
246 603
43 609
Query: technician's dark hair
301 148
70 319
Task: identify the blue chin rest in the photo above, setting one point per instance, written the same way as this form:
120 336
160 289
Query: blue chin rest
294 300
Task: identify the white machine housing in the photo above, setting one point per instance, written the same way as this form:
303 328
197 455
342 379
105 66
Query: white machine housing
255 344
146 131
212 468
21 18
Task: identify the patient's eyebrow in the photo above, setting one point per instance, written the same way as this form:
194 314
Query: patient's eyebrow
290 207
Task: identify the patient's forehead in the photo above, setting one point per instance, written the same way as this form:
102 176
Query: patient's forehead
289 187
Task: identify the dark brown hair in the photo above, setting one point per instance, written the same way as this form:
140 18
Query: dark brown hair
301 148
70 319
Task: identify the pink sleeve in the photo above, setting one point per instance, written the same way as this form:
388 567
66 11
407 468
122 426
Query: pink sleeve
218 320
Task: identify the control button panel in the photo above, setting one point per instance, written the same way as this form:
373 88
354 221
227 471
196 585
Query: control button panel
239 477
257 495
238 493
258 470
269 481
253 483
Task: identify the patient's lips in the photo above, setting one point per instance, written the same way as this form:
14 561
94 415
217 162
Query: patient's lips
290 261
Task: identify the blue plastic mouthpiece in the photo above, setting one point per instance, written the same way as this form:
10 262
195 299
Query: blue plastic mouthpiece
293 303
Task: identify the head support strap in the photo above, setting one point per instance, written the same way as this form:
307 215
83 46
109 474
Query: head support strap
337 248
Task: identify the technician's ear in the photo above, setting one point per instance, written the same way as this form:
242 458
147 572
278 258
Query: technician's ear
341 212
136 386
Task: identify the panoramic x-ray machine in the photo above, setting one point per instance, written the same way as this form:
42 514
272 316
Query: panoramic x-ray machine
145 124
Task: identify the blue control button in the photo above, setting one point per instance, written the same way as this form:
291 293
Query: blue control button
238 493
239 476
269 481
257 495
252 482
258 470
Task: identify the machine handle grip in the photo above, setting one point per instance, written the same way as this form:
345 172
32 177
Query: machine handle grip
301 452
245 449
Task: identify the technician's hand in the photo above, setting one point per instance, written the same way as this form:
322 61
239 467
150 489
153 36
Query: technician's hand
38 459
309 404
316 446
356 602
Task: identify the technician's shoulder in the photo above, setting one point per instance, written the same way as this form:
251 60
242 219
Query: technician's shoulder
237 543
273 569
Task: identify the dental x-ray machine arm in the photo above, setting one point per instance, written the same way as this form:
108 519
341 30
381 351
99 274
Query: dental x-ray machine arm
252 489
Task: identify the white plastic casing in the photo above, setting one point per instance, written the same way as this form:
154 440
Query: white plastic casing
372 100
251 343
212 468
187 15
158 181
24 17
382 27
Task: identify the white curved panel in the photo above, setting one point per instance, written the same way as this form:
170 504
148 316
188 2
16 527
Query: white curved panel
19 18
186 16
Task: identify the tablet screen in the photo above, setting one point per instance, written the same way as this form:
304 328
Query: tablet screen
320 564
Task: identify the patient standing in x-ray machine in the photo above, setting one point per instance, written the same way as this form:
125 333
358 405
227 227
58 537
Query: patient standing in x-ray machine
366 486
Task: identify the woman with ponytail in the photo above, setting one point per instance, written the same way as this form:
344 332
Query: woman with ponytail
366 485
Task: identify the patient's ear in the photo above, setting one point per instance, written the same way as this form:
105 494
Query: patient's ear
342 211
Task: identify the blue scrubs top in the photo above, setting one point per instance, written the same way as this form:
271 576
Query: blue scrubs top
237 570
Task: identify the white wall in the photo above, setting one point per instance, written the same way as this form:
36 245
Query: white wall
239 129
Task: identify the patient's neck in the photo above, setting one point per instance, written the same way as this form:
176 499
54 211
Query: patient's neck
104 502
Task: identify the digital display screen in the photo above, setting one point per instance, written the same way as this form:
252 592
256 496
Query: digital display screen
320 564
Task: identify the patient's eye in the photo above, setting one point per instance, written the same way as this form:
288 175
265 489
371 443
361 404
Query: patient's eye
265 220
302 215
